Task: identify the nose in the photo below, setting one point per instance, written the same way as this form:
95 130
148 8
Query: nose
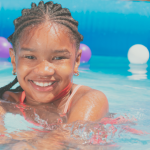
44 69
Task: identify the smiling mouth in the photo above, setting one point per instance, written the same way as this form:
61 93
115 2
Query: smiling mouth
43 86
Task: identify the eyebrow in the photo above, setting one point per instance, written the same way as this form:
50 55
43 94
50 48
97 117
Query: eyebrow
27 49
61 51
54 51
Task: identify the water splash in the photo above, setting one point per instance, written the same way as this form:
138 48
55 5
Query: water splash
111 132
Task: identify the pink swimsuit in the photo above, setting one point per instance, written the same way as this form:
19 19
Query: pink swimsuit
22 99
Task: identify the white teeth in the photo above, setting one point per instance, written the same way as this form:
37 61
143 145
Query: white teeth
43 84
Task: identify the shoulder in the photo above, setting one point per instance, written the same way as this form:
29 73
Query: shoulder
94 97
89 104
11 96
88 94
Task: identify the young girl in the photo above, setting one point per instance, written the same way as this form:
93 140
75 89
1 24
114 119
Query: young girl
45 56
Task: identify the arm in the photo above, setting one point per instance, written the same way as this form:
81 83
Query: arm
92 106
4 138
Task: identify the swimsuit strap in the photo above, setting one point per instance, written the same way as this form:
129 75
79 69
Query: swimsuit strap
69 99
23 96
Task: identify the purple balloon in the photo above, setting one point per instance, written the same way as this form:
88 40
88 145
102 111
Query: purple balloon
86 53
4 47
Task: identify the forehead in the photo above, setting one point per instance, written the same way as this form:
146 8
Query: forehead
45 35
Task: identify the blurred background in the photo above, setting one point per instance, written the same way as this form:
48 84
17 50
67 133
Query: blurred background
117 33
109 27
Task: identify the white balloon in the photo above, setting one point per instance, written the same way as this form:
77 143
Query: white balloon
138 54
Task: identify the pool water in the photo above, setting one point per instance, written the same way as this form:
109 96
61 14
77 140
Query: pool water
127 88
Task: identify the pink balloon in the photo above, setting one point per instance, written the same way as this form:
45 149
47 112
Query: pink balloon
86 53
4 47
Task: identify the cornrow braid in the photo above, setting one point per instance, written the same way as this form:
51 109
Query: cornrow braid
37 15
10 85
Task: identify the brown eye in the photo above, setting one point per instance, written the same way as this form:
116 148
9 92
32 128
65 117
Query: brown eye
30 57
59 58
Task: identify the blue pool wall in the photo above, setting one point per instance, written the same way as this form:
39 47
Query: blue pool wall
109 27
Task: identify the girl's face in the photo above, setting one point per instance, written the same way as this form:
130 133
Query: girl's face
45 61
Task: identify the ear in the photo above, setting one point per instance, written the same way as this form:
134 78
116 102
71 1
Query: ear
77 62
12 55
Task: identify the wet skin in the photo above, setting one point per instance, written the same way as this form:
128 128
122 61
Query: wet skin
47 54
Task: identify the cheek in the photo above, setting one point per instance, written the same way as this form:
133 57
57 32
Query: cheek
66 68
22 70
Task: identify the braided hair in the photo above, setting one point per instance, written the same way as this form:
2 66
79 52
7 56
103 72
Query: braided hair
36 15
